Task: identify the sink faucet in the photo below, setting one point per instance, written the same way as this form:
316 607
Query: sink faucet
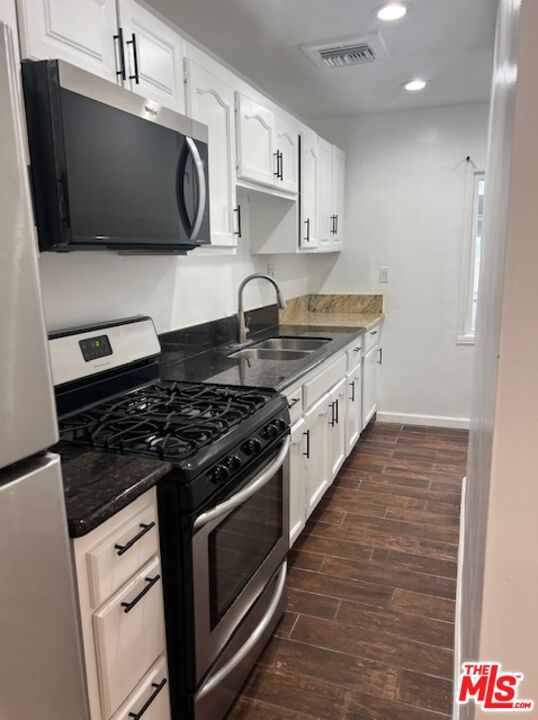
242 329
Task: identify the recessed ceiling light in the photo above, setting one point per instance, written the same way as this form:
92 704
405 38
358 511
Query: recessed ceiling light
414 85
392 11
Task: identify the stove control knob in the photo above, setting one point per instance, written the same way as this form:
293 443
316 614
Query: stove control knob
233 463
251 447
272 430
281 424
220 474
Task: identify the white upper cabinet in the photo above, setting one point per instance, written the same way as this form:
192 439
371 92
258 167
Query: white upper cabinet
308 238
337 199
255 136
78 31
325 186
287 154
210 100
153 56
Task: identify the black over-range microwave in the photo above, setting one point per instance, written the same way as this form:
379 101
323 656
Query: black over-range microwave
111 170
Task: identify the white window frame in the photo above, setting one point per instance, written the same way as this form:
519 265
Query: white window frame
466 335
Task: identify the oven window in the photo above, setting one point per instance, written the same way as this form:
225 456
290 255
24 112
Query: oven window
241 543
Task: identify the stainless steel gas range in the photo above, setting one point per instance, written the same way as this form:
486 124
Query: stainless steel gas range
223 510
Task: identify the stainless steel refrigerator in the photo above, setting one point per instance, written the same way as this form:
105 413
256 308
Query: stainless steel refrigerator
41 667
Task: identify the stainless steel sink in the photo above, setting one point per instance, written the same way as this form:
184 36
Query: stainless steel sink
292 343
260 353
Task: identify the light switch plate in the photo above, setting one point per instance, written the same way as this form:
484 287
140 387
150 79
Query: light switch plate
383 274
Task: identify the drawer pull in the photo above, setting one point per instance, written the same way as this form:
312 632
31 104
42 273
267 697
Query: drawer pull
145 529
357 349
307 453
158 687
293 402
374 332
151 581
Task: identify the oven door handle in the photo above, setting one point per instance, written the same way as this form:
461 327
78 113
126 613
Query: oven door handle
202 189
248 491
215 680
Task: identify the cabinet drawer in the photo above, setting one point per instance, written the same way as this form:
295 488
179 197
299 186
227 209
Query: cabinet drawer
354 356
371 339
124 551
323 381
151 699
295 403
129 636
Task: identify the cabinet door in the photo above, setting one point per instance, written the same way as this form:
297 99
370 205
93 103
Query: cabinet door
353 409
337 202
296 469
78 31
337 428
287 144
325 212
369 385
153 55
308 238
318 476
210 100
255 137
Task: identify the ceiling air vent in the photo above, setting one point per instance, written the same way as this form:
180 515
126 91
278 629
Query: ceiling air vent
347 52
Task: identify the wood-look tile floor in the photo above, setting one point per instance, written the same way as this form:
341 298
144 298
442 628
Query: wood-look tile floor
368 631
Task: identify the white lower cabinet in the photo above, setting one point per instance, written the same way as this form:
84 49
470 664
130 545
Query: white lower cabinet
369 385
151 700
354 408
296 471
122 614
318 473
326 409
337 428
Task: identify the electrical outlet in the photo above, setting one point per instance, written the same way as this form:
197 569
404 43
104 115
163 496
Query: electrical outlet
383 274
271 269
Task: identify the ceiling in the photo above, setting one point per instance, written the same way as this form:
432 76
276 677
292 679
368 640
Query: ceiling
449 43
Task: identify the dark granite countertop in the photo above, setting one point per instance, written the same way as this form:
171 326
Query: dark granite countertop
214 366
97 485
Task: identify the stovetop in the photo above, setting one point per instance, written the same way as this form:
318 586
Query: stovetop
171 421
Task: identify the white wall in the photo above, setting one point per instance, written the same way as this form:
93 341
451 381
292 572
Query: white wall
405 210
176 292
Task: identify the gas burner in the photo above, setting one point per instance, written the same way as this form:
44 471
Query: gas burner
171 421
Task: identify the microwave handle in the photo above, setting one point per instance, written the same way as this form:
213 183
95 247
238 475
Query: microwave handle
200 174
248 491
215 680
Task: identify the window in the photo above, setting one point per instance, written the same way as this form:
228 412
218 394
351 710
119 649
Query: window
471 257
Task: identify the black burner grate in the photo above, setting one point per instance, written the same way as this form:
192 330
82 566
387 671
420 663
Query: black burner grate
169 420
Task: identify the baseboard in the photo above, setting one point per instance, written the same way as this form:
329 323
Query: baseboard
433 420
457 623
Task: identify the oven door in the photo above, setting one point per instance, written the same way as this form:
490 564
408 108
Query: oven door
237 548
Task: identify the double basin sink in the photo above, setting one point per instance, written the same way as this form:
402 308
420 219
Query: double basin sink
281 348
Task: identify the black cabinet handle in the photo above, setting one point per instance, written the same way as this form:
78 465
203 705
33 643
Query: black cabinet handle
336 220
307 453
277 172
158 687
281 165
293 402
136 76
352 386
145 529
380 356
307 223
337 411
357 349
151 581
238 232
332 421
121 72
